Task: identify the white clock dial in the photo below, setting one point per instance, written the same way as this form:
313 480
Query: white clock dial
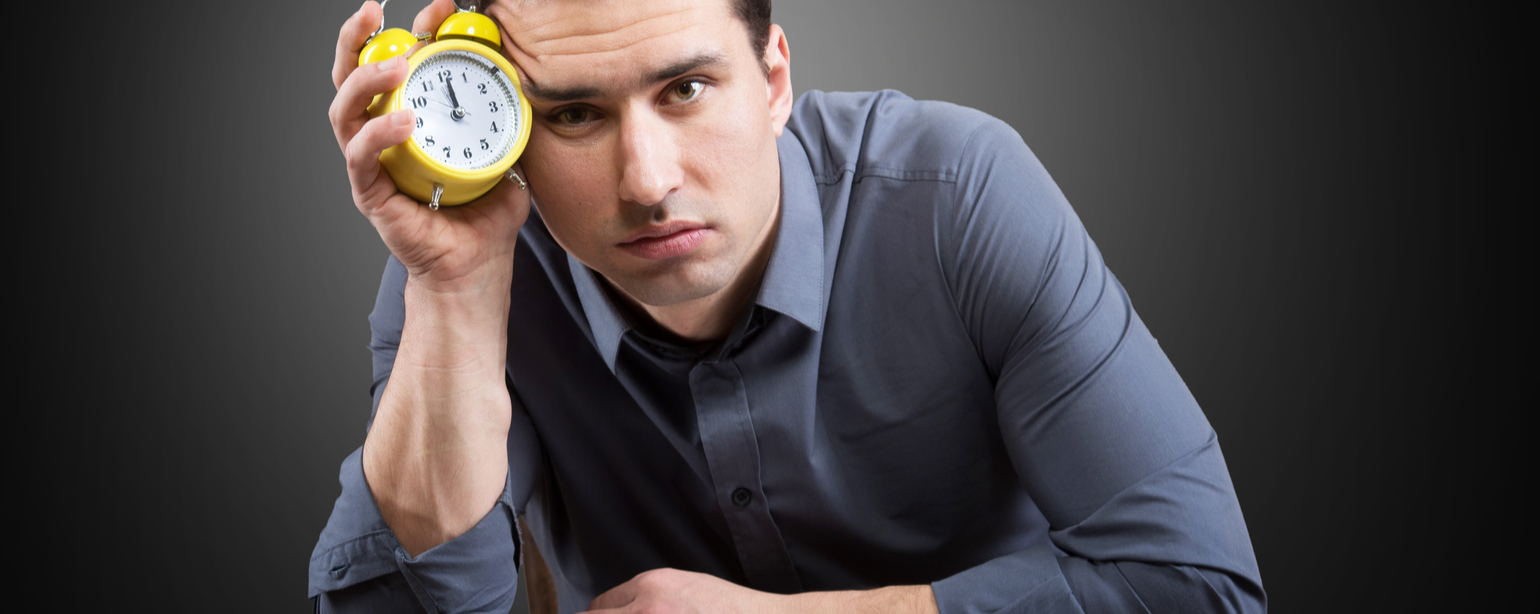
467 112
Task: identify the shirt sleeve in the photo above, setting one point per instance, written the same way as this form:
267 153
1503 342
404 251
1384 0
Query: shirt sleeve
359 566
1104 434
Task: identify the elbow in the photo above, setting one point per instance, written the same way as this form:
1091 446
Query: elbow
1194 589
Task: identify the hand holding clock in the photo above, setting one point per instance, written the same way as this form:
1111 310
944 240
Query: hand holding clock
449 249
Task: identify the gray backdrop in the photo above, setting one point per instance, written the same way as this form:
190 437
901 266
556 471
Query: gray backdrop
1305 201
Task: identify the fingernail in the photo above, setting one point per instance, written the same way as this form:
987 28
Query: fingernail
390 64
401 118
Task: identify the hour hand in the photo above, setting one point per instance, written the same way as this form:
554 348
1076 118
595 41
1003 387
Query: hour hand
458 113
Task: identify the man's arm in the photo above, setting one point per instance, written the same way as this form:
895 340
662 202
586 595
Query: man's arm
1101 429
434 466
360 566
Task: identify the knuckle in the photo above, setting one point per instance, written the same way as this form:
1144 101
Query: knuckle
356 160
652 579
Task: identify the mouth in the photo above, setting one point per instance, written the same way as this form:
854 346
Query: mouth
665 240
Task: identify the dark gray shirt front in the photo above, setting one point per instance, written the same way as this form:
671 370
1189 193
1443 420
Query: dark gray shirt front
939 382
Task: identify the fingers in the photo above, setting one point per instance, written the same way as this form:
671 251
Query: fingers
617 597
350 107
429 18
355 31
370 187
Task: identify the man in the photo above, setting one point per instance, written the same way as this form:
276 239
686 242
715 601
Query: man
852 353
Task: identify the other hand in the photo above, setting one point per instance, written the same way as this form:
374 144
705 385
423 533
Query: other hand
673 591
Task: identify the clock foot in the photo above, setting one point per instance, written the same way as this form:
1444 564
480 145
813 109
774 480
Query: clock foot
438 192
515 176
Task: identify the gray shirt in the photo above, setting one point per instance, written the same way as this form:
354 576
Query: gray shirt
939 382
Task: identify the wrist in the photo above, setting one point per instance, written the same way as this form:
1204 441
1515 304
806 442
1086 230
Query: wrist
455 329
913 599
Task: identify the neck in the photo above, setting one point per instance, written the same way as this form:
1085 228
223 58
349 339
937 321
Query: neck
707 321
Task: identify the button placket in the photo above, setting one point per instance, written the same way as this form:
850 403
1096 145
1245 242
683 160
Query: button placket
732 456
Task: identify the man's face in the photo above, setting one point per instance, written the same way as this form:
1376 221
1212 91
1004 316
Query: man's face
652 153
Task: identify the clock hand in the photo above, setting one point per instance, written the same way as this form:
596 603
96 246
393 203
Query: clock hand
458 113
463 112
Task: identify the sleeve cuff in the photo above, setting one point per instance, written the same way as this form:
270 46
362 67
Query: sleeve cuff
475 572
1026 581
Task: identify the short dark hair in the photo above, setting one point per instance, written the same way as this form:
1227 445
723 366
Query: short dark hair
756 17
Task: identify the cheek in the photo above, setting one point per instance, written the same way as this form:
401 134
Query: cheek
728 147
569 187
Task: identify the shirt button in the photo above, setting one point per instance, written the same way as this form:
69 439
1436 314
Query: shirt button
741 497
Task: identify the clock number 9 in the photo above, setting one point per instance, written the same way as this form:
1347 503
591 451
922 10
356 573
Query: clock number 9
419 122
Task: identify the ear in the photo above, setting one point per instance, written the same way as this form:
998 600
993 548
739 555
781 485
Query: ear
778 79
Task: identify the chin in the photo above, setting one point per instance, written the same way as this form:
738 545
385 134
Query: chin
676 282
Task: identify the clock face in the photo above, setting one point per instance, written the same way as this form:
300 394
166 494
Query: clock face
467 110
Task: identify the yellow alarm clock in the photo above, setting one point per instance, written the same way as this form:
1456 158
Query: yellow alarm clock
472 117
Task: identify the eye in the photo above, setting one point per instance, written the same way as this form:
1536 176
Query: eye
572 116
685 91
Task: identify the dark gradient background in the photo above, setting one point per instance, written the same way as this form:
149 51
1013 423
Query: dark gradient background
1309 202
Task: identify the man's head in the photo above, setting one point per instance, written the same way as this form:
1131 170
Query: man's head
653 117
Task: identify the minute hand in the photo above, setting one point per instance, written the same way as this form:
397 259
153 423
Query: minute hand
458 113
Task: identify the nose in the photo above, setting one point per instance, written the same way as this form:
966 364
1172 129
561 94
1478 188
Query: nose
649 159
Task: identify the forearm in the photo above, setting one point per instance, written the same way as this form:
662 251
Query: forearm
891 599
436 456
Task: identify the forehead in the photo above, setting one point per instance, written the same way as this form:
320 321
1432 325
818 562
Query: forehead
557 41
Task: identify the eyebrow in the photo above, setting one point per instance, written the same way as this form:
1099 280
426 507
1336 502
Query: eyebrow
582 92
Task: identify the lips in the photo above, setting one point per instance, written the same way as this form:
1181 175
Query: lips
665 240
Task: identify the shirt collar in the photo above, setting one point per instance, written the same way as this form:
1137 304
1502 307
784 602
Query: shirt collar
794 278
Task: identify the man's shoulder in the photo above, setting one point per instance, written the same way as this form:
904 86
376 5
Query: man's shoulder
887 133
